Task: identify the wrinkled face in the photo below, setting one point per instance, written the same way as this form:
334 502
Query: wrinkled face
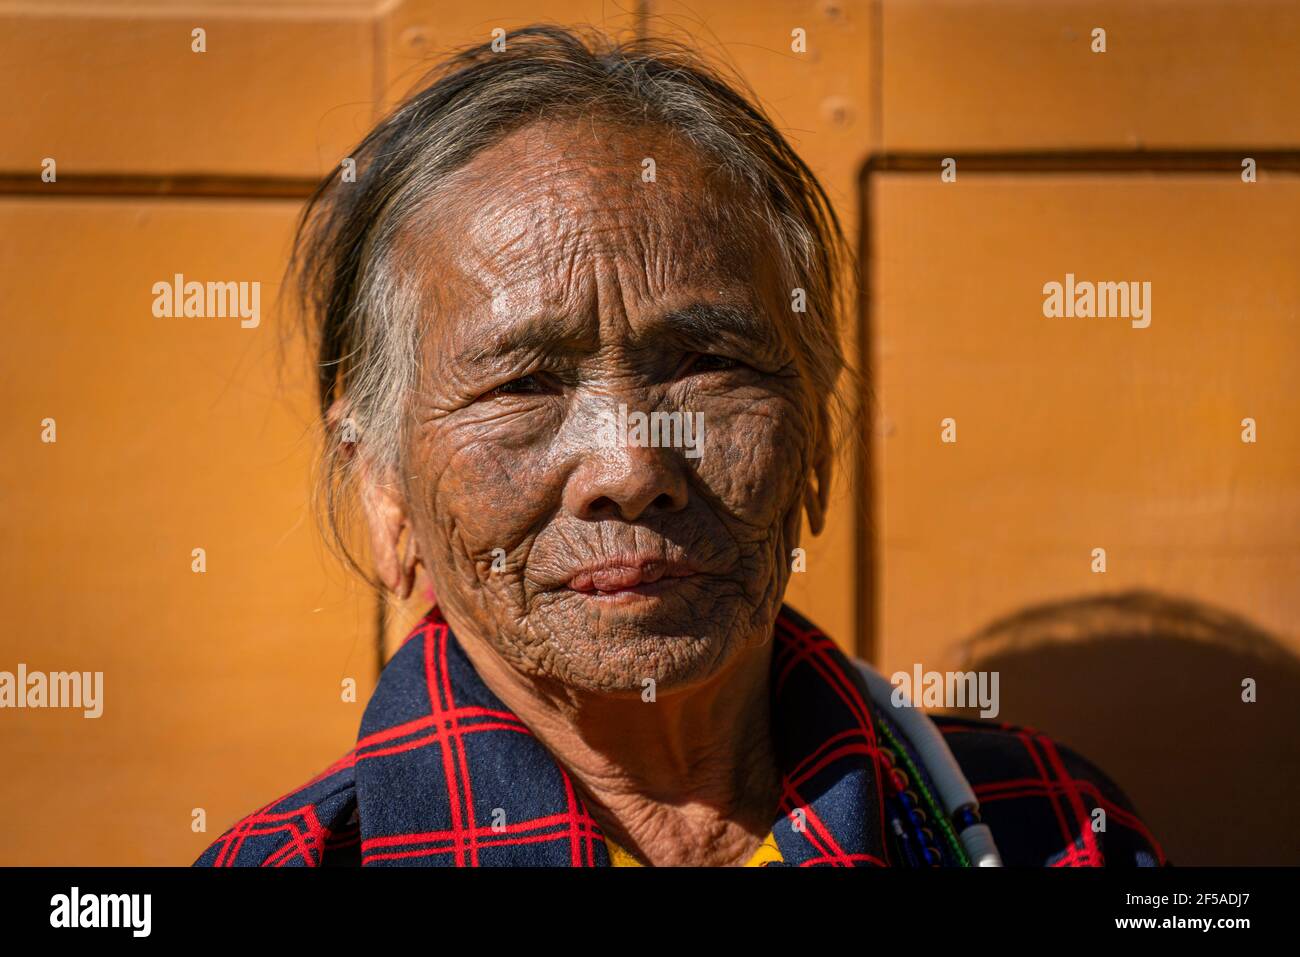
609 450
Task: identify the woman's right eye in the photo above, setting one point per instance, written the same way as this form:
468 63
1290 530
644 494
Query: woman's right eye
524 385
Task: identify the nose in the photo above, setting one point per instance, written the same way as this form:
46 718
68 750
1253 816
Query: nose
627 483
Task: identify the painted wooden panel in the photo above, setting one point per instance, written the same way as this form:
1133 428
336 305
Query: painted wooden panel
1075 434
117 89
222 689
1021 74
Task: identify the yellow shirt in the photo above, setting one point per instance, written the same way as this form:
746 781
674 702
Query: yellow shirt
767 851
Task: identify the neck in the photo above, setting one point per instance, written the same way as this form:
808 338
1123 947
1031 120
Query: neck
689 779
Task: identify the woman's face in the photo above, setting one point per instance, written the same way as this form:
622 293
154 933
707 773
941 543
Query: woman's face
567 298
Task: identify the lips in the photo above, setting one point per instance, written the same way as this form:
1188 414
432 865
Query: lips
614 577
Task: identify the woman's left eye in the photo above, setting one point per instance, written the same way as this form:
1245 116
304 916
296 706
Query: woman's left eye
709 362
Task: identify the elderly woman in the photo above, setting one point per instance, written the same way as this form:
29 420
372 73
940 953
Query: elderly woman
578 347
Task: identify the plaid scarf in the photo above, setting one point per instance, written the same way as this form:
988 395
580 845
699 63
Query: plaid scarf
444 773
447 774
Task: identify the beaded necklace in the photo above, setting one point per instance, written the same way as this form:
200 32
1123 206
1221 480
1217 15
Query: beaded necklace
913 809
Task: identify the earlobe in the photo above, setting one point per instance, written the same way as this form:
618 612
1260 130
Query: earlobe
817 500
814 502
410 561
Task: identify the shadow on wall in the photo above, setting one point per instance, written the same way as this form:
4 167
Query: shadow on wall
1149 688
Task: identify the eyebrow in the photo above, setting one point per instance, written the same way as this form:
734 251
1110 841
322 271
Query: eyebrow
544 332
696 323
702 322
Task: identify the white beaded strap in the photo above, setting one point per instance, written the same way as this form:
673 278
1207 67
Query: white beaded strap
954 790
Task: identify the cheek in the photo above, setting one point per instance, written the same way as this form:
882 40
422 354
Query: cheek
756 455
482 484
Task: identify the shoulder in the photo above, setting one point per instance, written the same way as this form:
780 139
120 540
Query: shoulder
315 825
1046 804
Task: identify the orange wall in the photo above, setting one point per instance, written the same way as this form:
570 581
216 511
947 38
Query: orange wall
223 689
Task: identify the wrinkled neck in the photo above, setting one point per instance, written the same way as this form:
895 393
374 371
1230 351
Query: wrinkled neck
686 778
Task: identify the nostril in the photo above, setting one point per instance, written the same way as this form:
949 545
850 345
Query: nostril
606 507
601 506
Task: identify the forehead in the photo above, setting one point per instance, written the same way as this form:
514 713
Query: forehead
556 210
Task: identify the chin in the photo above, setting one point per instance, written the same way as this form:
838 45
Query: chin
615 646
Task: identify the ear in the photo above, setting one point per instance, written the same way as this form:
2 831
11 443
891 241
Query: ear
817 500
385 511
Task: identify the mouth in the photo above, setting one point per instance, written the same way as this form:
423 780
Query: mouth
623 581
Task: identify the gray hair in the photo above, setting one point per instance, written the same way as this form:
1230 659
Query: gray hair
364 316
